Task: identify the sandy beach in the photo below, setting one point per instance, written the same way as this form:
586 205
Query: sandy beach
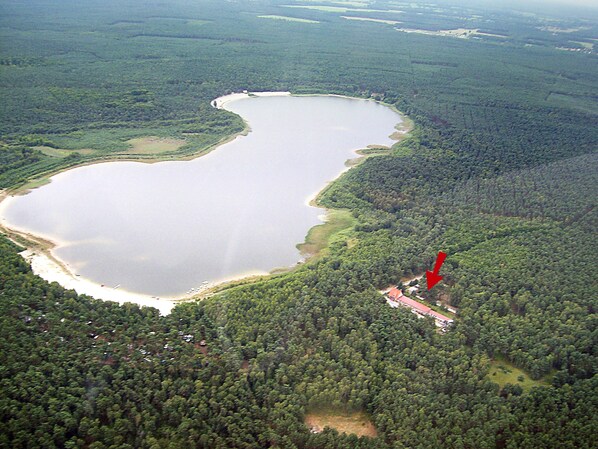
220 102
45 264
46 268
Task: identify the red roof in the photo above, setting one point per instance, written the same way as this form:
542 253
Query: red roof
414 304
395 293
439 316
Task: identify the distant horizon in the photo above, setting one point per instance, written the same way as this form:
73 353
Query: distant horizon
528 4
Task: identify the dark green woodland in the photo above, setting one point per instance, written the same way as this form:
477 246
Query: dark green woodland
500 172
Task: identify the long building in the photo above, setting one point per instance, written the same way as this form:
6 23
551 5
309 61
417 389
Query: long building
396 298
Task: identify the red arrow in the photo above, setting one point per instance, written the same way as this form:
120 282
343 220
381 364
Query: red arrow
433 277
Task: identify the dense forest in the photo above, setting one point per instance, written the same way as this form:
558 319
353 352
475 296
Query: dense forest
500 172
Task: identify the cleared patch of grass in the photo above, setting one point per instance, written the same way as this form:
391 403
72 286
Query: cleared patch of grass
553 29
504 372
35 184
339 9
586 45
319 237
350 3
288 19
154 145
368 19
56 152
320 8
356 422
197 22
110 140
339 2
580 102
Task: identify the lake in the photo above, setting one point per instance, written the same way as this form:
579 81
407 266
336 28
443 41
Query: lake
162 229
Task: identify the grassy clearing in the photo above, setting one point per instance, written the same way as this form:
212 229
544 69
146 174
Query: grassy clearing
154 145
197 22
586 45
583 103
320 8
357 422
57 152
320 237
104 145
339 9
38 182
288 19
350 3
339 2
368 19
504 372
554 29
110 140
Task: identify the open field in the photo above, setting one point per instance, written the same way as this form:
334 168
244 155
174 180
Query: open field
57 152
339 2
288 19
555 29
154 145
341 9
369 19
503 372
350 423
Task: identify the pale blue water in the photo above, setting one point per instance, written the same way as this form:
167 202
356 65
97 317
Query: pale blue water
163 228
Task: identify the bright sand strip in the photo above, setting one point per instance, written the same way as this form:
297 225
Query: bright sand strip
368 19
460 33
220 102
288 19
52 269
48 269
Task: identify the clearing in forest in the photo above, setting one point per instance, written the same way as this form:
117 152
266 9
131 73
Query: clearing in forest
153 145
503 372
368 19
340 9
57 152
288 19
356 422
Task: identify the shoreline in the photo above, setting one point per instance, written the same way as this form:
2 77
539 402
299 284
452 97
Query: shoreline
44 263
220 102
47 265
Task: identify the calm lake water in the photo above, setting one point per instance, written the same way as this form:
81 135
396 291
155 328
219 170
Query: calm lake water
164 228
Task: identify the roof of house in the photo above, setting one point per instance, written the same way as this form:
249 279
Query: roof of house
394 293
414 304
439 316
